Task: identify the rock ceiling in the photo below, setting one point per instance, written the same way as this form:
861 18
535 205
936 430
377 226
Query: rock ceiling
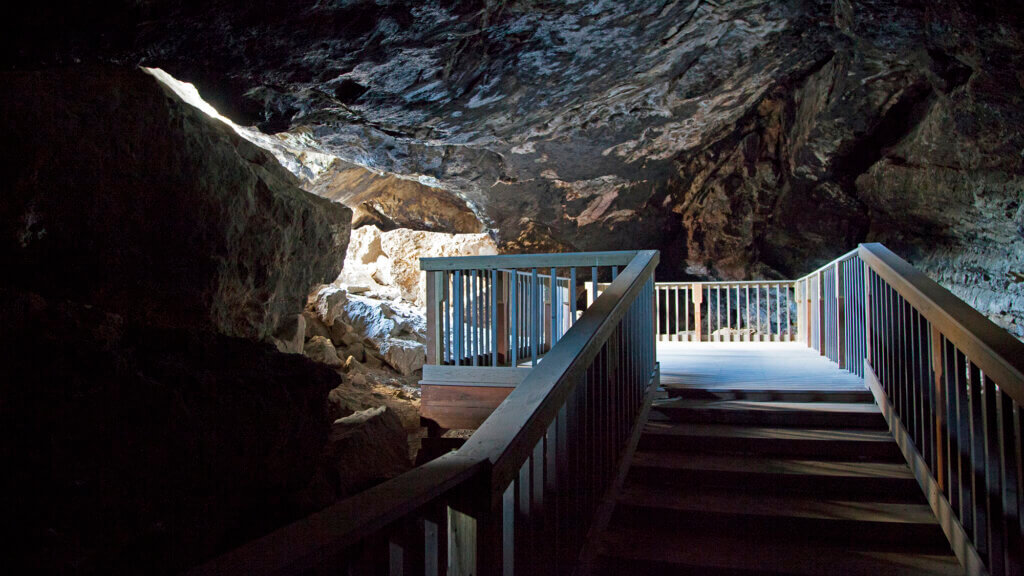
745 139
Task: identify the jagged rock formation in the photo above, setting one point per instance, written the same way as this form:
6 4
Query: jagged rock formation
389 202
386 265
753 138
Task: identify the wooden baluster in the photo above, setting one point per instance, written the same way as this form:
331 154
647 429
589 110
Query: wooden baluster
977 436
554 307
573 297
1010 461
686 313
993 478
535 315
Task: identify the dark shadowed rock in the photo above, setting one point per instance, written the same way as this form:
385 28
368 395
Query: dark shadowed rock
129 449
365 448
119 194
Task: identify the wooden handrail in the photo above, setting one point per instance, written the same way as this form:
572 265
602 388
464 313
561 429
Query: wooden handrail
514 261
999 355
831 264
509 434
318 541
386 525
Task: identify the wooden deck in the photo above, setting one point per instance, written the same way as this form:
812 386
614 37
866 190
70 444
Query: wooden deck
766 459
752 366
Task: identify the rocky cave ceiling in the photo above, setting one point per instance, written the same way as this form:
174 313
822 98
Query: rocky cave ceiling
744 139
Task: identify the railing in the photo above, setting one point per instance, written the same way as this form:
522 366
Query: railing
762 311
506 310
519 496
950 383
954 382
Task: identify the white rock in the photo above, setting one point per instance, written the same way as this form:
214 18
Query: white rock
405 356
330 303
405 247
387 264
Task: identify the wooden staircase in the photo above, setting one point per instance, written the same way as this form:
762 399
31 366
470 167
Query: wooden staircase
741 480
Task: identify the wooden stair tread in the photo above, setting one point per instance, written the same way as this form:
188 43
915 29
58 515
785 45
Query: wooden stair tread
750 405
770 466
766 387
746 504
674 551
775 433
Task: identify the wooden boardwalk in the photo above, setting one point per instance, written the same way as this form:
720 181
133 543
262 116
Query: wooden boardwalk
767 459
784 366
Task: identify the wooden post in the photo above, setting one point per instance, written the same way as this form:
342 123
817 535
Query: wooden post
435 292
697 295
940 403
502 317
821 316
867 314
840 316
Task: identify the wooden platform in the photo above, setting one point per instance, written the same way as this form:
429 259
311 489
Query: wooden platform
767 459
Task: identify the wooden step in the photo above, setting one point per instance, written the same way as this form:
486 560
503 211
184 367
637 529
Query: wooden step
771 394
824 443
793 414
759 475
878 525
639 551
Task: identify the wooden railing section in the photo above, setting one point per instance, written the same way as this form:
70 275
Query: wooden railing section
761 311
508 310
950 383
520 495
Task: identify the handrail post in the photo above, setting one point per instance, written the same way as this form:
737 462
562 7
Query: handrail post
867 315
821 315
697 295
840 316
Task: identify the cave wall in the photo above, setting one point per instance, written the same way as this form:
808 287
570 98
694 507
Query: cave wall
146 423
120 195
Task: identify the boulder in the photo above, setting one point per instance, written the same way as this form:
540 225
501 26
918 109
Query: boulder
388 262
355 350
377 320
405 247
135 450
314 326
338 332
291 334
320 349
329 303
365 448
405 356
121 194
